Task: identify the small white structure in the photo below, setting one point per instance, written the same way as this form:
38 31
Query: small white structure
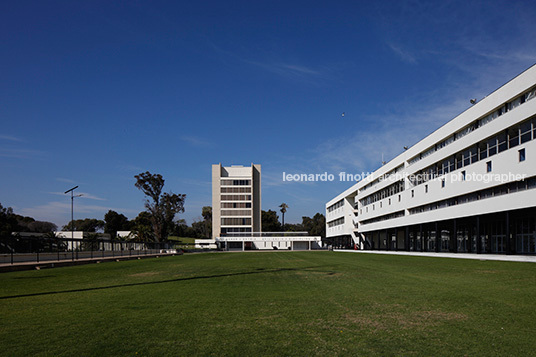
205 244
75 238
126 235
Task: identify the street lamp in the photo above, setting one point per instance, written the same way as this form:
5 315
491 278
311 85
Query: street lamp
72 216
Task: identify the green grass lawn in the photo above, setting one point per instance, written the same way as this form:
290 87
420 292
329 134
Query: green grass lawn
272 303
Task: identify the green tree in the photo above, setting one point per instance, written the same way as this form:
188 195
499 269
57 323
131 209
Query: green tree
315 226
42 227
142 227
270 221
161 206
8 221
283 210
114 222
85 225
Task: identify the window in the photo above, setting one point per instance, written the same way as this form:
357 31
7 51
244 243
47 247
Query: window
399 198
389 202
488 166
521 155
425 188
525 132
463 175
443 183
412 193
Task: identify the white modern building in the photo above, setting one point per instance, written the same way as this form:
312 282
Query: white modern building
470 186
236 199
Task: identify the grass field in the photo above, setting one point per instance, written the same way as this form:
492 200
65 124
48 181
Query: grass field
273 303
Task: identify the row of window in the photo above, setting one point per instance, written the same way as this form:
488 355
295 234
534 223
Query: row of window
500 190
236 190
383 218
236 205
477 124
521 156
333 207
336 222
238 212
388 191
383 177
510 138
236 221
235 182
225 231
236 197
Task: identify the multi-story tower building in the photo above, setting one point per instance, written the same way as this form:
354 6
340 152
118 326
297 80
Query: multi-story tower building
236 199
457 190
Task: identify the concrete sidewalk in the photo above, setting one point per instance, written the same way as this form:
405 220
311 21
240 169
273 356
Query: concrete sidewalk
500 257
66 262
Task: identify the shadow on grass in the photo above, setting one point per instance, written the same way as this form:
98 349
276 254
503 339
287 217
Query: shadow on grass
258 271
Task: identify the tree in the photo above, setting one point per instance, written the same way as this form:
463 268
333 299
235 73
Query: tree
161 206
42 227
315 226
283 210
206 212
8 222
206 229
142 227
85 225
270 221
114 222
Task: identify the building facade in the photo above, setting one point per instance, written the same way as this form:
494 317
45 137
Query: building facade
236 199
470 186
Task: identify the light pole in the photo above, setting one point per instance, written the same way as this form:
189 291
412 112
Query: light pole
72 216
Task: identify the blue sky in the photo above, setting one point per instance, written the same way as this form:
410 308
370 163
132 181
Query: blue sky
93 93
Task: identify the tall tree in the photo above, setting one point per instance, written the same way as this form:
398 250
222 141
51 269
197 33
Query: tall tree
206 212
114 222
161 206
283 210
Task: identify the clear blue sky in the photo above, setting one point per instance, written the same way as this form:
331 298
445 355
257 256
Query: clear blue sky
93 93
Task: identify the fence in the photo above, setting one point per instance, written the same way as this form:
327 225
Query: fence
15 249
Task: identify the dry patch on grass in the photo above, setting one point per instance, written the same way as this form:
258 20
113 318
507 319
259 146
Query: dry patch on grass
319 274
144 274
398 319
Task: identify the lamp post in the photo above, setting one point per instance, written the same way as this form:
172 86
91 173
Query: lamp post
72 216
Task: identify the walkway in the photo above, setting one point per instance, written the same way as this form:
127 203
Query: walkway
506 258
67 262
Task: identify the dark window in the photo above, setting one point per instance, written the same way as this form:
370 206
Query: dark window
442 183
488 166
463 175
521 155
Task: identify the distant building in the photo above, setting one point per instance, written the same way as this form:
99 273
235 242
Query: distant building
470 186
236 199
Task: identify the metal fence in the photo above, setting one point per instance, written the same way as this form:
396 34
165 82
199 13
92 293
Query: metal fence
16 249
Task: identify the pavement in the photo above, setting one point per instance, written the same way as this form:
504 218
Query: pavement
499 257
32 265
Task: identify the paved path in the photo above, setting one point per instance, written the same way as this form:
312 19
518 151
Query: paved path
66 262
507 258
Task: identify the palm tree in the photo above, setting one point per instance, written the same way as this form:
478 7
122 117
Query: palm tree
283 207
